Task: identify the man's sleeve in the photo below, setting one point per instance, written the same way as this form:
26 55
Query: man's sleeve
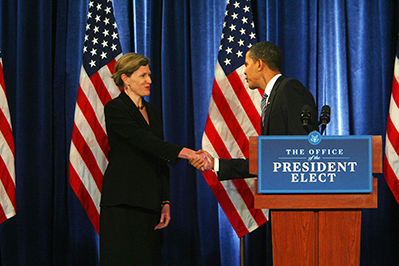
233 169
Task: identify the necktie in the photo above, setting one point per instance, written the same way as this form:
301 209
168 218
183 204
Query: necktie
263 105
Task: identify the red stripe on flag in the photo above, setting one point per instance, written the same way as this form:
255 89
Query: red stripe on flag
8 183
7 155
215 139
392 134
2 84
241 186
111 66
245 100
100 88
231 59
230 119
91 118
95 90
391 178
395 91
84 198
249 199
392 138
6 130
223 198
3 216
87 156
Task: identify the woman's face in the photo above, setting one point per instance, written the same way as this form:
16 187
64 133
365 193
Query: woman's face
139 82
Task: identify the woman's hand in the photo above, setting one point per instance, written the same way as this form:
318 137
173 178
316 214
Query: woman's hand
165 217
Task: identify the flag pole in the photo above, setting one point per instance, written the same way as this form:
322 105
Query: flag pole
242 251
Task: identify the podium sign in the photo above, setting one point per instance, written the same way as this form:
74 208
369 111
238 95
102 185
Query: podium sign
316 228
314 164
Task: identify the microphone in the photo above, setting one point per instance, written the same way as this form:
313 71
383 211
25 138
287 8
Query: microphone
324 117
306 117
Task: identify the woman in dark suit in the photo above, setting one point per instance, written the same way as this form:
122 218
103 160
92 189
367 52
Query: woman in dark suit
135 193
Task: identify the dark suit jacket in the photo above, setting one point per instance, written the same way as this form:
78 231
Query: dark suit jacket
137 173
282 117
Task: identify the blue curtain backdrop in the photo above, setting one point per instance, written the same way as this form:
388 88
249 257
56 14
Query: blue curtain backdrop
343 51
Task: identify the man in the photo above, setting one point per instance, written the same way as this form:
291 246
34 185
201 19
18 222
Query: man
282 104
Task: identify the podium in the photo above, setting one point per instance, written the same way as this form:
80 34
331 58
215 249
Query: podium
316 229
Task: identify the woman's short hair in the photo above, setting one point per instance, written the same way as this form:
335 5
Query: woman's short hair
127 65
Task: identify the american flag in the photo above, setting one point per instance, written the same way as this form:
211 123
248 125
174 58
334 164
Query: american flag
391 160
234 115
89 145
7 156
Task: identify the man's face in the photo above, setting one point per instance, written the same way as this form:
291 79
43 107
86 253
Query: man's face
251 72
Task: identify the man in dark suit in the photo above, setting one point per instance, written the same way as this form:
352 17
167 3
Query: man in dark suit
281 105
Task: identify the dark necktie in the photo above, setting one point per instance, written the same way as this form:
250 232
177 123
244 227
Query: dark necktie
263 105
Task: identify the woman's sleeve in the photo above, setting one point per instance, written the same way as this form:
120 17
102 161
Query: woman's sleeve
120 124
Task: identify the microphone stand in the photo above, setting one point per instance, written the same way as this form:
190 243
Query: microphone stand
306 117
324 118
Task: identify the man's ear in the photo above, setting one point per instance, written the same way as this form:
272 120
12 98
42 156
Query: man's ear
260 64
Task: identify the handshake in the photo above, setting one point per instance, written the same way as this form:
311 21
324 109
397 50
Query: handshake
202 160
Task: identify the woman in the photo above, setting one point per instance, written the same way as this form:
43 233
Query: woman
135 193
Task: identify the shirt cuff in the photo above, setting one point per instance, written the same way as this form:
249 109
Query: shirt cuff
215 165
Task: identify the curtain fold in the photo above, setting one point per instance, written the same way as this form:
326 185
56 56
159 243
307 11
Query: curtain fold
343 51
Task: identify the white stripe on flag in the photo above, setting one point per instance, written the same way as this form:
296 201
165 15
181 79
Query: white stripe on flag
90 139
234 115
392 157
7 159
239 204
3 103
85 176
6 203
89 145
391 162
233 194
108 81
231 97
396 68
91 94
7 156
393 108
224 132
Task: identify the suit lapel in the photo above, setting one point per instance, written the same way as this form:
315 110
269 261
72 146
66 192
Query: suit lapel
155 120
270 103
134 111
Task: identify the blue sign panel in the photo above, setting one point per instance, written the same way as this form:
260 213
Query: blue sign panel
314 164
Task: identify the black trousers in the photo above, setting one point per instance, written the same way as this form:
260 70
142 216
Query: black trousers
127 236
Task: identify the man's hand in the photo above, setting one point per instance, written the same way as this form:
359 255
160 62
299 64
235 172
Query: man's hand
203 162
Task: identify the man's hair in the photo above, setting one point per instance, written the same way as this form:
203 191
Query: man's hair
128 64
269 53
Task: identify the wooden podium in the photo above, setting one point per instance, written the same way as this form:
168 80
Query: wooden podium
316 229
